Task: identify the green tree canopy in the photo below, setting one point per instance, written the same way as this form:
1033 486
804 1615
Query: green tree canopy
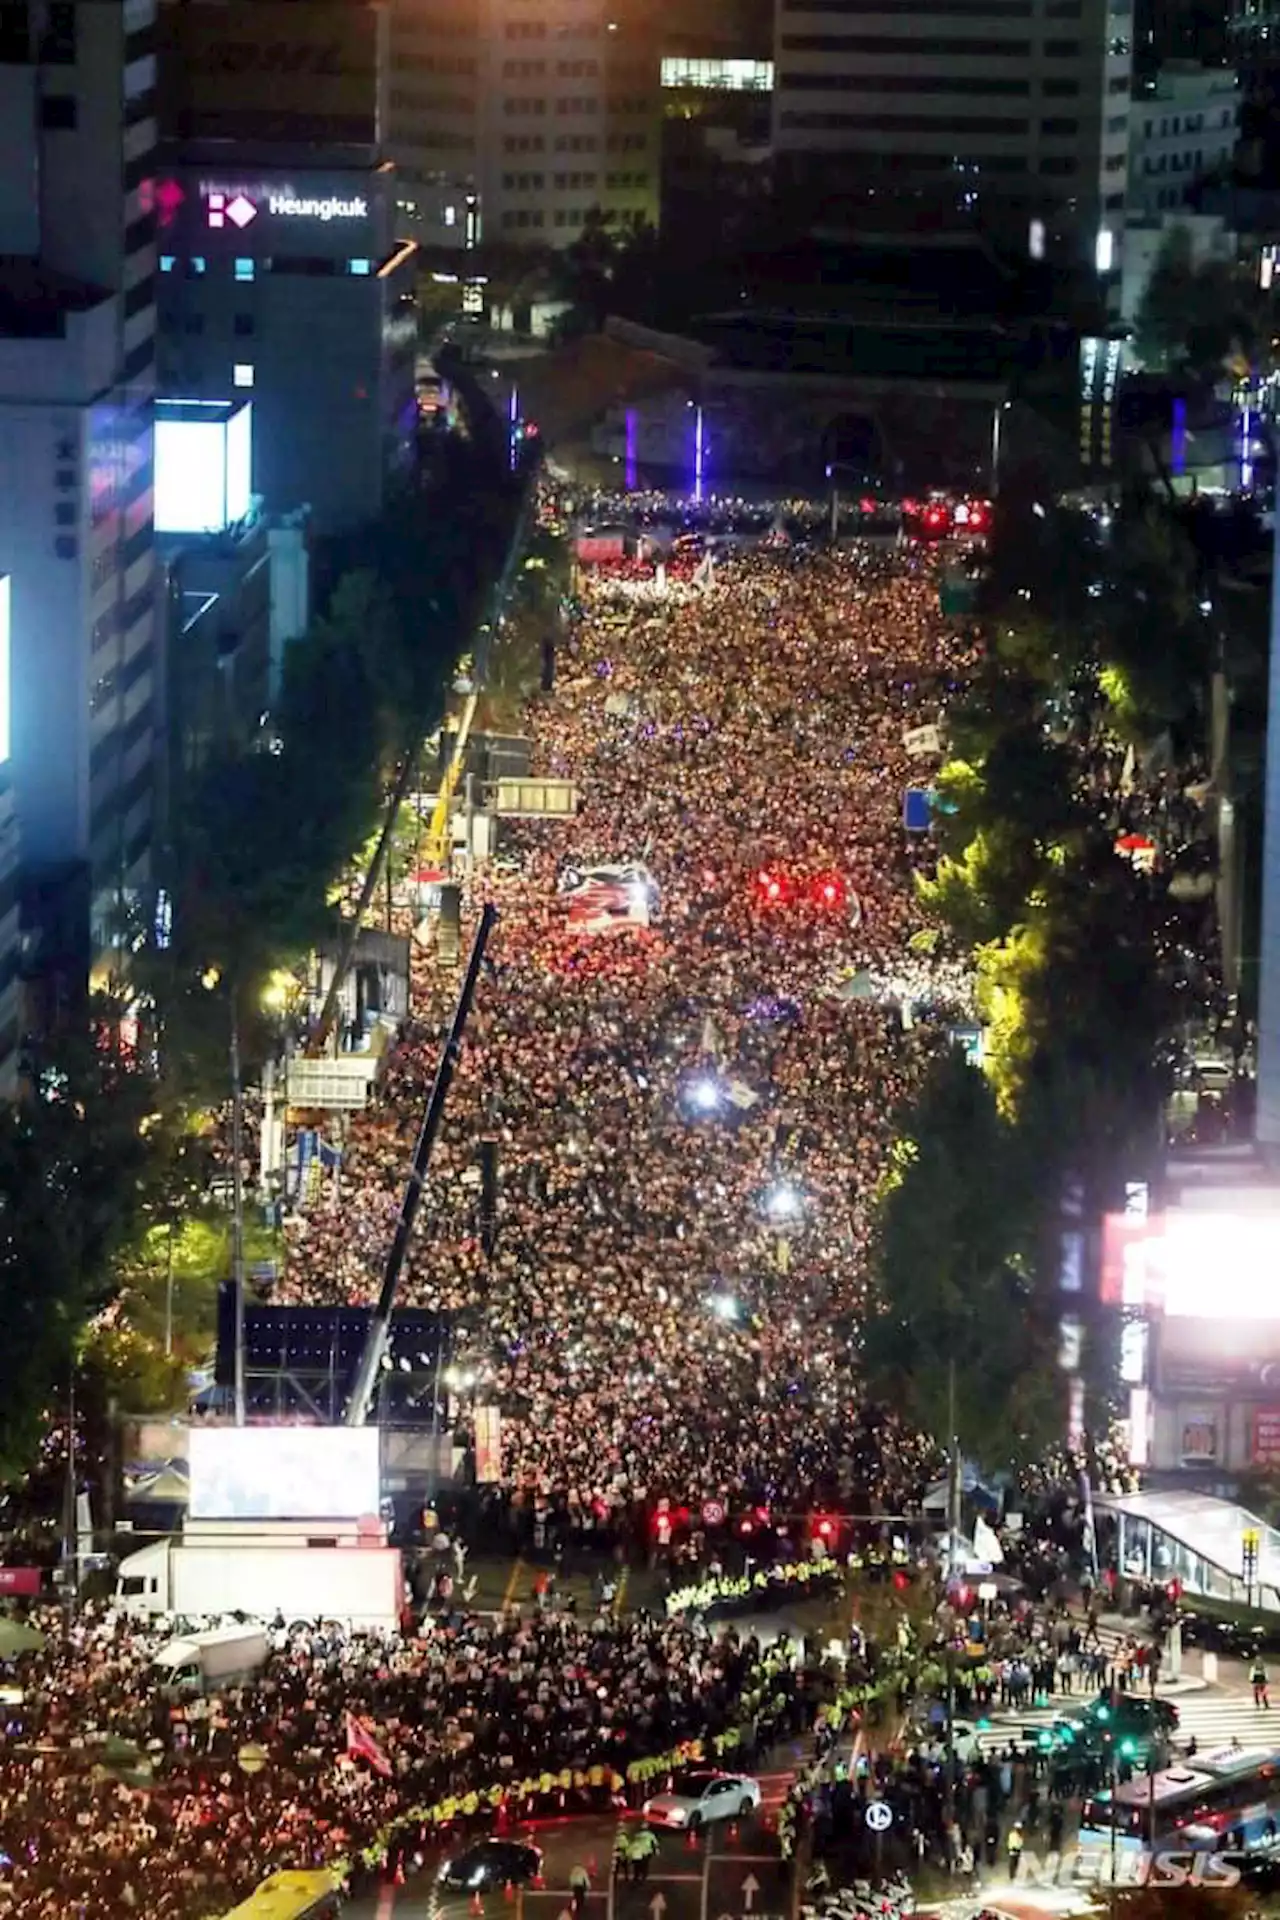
956 1301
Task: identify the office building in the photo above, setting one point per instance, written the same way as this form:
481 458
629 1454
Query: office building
281 277
1183 125
1011 116
1165 30
511 122
77 354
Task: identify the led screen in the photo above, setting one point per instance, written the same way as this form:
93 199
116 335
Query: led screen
284 1473
5 649
1217 1265
191 476
203 470
239 462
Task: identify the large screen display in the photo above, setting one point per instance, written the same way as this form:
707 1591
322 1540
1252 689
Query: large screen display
284 1473
203 473
6 603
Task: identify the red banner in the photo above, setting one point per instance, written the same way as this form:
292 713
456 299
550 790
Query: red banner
24 1580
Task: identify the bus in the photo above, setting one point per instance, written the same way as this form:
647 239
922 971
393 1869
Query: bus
1228 1801
292 1896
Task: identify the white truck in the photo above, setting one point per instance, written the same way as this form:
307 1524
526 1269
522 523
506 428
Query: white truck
263 1575
203 1662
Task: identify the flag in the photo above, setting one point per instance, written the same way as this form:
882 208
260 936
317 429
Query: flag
361 1745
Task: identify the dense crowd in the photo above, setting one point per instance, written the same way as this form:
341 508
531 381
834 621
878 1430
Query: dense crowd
692 1118
167 1820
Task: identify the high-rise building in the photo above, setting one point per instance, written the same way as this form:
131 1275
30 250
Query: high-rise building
1184 124
1010 115
77 379
281 276
511 121
1165 30
1253 50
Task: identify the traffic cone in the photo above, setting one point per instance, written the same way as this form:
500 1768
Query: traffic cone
508 1890
691 1836
477 1904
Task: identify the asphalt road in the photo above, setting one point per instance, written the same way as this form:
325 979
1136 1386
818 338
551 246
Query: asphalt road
731 1872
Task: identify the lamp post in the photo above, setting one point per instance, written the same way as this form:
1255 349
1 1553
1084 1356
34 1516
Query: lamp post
237 1205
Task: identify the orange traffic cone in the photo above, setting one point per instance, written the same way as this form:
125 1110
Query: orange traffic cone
508 1890
477 1904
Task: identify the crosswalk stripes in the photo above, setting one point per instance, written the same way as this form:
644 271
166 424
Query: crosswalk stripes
1213 1720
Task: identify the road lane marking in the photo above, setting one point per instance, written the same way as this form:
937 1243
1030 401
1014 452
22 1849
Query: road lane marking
512 1584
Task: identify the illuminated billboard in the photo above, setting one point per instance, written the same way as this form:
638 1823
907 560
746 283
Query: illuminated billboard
204 464
6 649
274 70
284 1473
1190 1263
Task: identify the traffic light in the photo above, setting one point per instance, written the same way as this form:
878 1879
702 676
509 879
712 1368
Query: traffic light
824 1529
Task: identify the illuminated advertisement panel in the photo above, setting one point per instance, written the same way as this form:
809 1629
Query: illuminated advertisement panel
284 1473
203 470
239 462
6 614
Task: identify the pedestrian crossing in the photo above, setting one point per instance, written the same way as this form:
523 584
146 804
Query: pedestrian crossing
1213 1719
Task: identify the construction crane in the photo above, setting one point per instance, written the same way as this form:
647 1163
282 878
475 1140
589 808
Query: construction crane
375 1345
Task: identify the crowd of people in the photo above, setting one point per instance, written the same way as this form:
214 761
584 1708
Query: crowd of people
117 1798
692 1117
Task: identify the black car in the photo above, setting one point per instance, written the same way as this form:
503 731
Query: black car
1130 1721
493 1863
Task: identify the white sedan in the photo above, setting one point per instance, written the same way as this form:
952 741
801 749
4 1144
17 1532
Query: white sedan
701 1798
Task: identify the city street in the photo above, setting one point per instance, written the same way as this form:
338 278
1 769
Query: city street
734 1873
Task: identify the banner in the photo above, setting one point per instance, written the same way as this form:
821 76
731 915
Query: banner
612 898
488 1445
920 741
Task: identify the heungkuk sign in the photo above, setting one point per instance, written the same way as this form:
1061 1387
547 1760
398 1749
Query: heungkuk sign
238 208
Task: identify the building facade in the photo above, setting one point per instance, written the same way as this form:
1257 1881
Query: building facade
512 122
281 275
1011 115
77 382
1182 125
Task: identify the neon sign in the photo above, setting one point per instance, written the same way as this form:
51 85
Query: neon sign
330 208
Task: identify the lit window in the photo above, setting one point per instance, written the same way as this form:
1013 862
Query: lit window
197 263
451 216
245 269
242 374
359 266
167 262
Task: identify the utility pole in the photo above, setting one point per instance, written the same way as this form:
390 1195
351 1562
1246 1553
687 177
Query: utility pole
953 1527
237 1202
70 1545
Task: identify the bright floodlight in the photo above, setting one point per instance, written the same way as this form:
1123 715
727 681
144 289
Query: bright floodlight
704 1095
1217 1265
782 1202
